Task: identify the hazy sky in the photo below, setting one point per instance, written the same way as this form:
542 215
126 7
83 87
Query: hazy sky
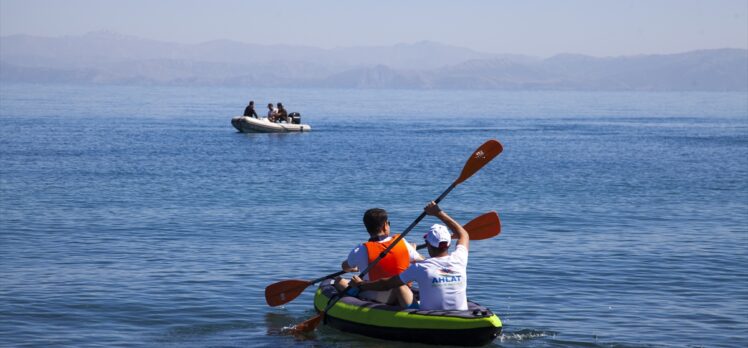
540 28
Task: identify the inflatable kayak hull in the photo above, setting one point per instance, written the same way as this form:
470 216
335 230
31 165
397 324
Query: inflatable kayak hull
253 125
475 327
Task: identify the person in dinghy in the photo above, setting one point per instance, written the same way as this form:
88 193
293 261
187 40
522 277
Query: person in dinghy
442 278
272 112
282 114
397 260
249 111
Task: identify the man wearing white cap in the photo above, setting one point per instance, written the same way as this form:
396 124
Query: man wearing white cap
442 279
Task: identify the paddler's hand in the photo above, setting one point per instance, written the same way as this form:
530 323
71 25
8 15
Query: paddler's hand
356 282
354 286
432 209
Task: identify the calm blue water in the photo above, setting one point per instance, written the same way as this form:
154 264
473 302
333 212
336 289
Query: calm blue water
137 216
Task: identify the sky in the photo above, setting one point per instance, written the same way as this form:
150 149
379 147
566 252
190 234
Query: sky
531 27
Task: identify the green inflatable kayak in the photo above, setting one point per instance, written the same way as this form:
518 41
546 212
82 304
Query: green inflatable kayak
476 326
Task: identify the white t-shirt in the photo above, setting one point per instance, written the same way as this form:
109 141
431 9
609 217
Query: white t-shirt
359 257
441 280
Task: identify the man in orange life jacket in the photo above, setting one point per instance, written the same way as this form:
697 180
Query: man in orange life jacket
397 260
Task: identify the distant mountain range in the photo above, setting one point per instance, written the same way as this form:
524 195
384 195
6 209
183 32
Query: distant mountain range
111 58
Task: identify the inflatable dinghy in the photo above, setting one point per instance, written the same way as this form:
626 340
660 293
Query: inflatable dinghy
246 124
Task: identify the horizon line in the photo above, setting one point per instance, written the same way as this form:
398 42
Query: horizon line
131 36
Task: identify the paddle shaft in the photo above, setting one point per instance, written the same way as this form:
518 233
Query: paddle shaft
333 275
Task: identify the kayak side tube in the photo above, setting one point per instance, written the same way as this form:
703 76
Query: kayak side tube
475 327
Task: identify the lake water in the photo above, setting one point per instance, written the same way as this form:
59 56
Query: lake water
138 217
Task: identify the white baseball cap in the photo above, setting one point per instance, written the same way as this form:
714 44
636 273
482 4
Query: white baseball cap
438 236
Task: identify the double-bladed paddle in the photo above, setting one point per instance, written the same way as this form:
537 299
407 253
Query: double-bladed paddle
276 294
480 157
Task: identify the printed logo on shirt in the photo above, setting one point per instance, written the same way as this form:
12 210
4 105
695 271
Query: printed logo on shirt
446 277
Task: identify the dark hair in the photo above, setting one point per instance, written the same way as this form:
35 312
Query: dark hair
251 102
437 250
374 220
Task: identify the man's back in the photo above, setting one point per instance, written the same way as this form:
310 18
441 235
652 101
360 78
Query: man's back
442 280
250 111
361 255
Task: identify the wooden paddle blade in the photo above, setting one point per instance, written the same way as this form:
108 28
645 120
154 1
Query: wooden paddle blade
484 154
485 226
284 291
307 326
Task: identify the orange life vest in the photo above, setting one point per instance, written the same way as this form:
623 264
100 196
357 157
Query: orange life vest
392 264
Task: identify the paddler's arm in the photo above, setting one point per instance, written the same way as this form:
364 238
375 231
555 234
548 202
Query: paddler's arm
346 267
377 285
356 257
413 252
458 231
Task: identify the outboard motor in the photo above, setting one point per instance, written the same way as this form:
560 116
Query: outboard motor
295 117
